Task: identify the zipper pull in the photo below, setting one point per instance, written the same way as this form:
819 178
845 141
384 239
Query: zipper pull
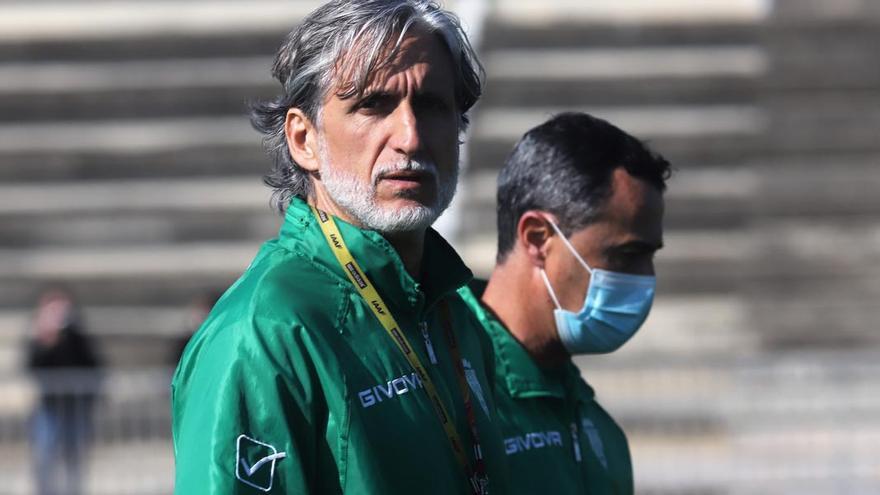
575 442
430 347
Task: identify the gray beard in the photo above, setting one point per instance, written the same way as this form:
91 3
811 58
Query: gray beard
358 199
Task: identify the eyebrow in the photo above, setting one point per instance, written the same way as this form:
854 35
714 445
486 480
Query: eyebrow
424 93
379 93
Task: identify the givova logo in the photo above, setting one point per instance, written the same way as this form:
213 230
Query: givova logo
392 388
532 441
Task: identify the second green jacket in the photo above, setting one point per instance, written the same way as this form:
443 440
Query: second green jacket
557 438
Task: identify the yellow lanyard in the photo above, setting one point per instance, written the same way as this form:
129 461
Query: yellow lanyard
371 296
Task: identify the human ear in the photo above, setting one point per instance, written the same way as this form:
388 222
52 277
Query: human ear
302 139
533 233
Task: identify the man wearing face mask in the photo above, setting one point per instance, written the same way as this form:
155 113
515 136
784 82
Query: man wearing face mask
580 210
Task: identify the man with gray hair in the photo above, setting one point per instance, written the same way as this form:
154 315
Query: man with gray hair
343 360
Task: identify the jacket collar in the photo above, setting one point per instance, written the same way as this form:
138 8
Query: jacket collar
519 373
443 271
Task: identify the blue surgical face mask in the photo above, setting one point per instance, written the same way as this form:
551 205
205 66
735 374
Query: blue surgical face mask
615 307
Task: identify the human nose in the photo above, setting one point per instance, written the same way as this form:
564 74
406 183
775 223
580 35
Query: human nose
405 138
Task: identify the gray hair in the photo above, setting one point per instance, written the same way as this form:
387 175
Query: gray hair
351 38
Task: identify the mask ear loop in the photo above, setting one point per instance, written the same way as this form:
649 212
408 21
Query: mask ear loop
550 289
570 247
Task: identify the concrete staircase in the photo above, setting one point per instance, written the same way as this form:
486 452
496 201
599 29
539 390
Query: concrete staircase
128 171
817 211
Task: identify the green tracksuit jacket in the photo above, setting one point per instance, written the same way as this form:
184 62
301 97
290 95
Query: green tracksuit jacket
292 386
557 438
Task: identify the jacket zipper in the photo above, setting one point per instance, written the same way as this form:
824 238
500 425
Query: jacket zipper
429 347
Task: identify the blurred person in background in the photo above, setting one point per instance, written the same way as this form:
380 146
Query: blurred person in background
343 360
63 361
580 217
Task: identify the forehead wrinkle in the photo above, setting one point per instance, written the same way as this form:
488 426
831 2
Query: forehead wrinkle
397 55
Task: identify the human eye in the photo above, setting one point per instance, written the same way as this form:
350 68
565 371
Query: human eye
375 103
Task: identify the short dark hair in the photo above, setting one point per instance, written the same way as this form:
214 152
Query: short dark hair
563 167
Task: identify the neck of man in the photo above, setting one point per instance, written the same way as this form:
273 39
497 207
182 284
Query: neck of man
510 297
410 246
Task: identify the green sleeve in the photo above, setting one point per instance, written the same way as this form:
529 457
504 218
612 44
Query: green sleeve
627 484
243 404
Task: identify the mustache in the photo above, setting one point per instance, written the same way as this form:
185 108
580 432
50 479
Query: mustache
411 165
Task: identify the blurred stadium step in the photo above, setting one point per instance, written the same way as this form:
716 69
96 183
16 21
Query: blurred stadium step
133 195
127 89
623 75
638 13
138 262
26 21
131 135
